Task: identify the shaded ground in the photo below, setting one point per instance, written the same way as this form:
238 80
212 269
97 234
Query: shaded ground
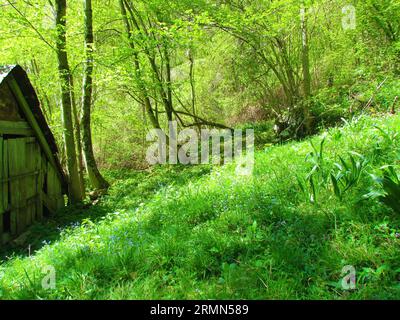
49 230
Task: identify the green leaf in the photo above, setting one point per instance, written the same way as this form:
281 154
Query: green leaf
336 188
313 198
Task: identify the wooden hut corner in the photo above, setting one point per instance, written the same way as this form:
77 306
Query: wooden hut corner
32 182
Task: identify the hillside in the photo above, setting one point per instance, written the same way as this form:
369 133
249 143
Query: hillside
205 233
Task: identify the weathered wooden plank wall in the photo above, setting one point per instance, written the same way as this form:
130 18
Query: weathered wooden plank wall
20 128
32 188
27 170
54 188
4 191
17 170
24 171
42 177
2 209
29 176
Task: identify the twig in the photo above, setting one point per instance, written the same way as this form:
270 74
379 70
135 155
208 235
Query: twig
374 94
31 25
202 121
393 111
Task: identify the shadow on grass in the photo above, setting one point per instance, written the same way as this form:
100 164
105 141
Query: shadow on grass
136 186
50 228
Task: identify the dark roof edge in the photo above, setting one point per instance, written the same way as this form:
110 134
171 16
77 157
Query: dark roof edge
31 98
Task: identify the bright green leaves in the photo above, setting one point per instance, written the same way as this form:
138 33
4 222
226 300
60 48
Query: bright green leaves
348 173
344 175
316 177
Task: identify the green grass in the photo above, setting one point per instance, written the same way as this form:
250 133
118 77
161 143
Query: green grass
204 233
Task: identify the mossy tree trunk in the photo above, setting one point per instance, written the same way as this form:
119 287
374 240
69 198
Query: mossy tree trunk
74 189
77 134
96 179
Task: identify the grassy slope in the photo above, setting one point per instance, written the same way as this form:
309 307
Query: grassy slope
181 233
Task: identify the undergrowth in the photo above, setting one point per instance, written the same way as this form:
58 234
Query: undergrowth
286 232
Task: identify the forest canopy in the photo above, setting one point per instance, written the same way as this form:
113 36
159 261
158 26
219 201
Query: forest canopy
298 64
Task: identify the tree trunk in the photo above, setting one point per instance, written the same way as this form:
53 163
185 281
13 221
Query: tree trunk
143 92
191 79
169 104
305 59
74 189
192 84
77 135
96 179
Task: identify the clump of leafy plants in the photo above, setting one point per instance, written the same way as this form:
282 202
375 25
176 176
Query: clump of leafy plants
348 173
389 193
316 176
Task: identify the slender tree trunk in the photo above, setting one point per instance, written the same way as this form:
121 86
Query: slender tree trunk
77 135
146 100
95 177
164 87
192 84
74 189
191 78
305 59
169 102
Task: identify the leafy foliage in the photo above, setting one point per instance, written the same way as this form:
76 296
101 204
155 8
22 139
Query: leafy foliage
317 176
204 233
288 69
390 194
348 174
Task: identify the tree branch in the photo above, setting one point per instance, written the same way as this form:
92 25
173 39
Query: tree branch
31 25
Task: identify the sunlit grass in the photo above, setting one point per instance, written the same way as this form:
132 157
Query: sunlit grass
205 233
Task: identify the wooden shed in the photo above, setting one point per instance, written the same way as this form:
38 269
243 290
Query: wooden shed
32 183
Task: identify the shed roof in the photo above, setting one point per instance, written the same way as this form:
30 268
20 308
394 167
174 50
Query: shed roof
31 98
